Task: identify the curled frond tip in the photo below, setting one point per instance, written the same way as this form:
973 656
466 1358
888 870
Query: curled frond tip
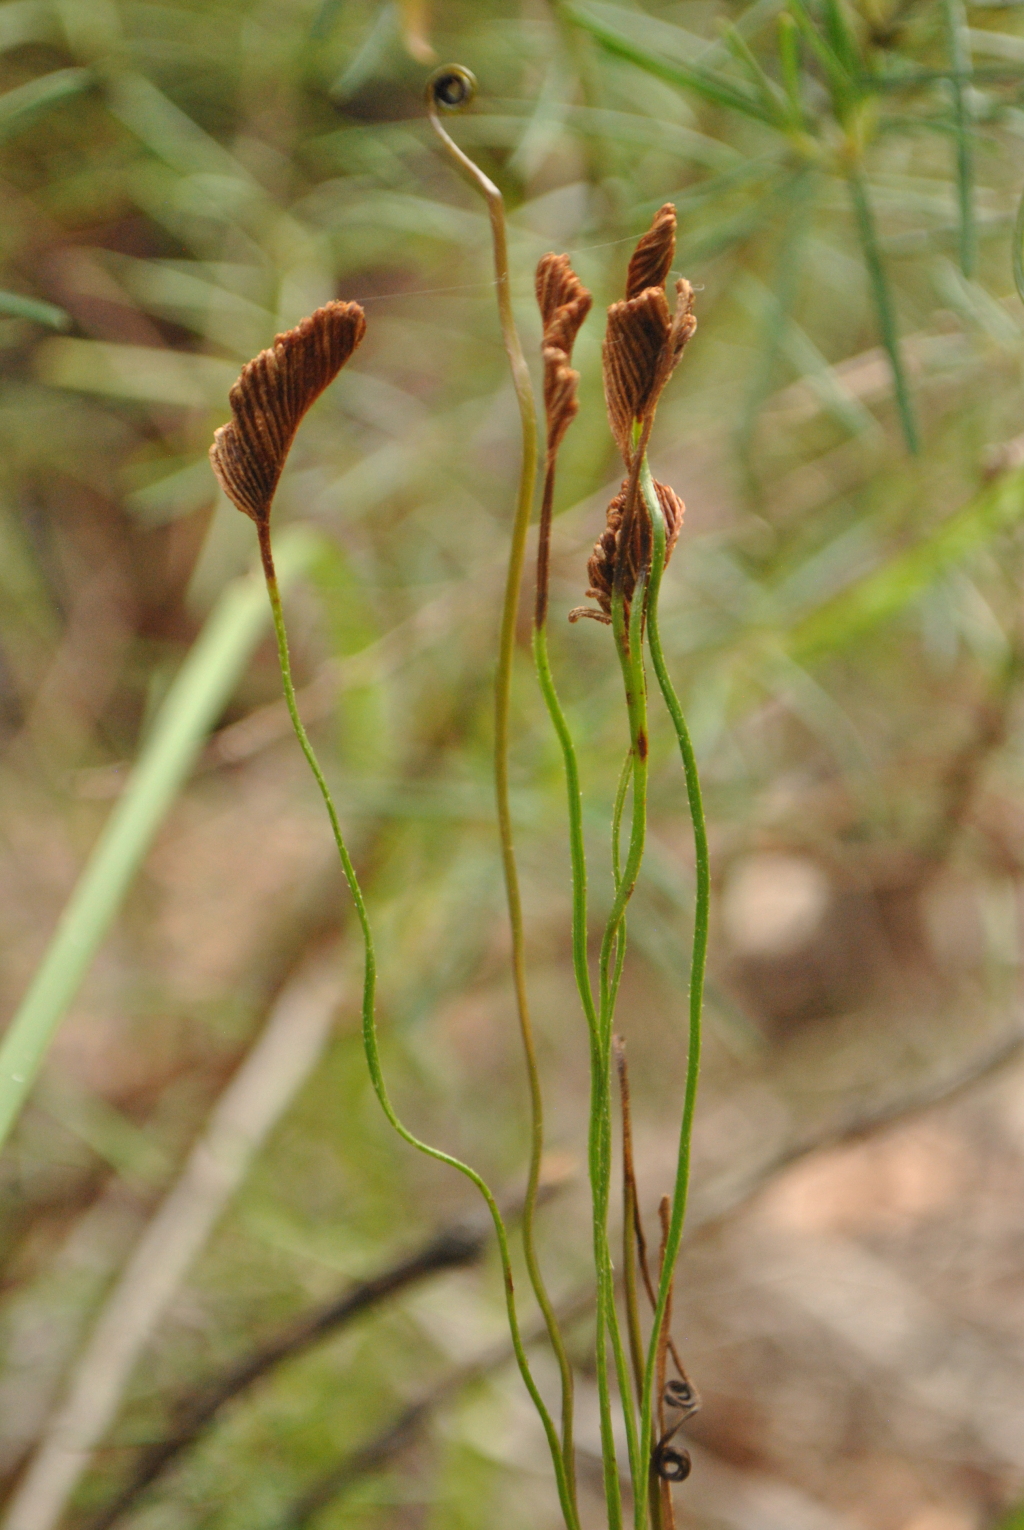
450 88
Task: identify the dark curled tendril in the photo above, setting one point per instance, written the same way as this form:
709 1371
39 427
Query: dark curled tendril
451 87
681 1396
670 1464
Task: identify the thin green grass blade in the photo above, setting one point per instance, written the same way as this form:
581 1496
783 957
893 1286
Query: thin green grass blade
20 307
771 97
960 65
19 106
882 295
841 84
888 590
714 88
840 37
789 66
192 705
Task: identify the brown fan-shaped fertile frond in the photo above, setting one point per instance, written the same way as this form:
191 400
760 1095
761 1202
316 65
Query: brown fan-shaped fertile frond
652 258
642 346
558 286
564 304
270 398
604 559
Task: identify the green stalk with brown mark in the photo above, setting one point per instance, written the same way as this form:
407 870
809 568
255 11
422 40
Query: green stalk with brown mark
674 1230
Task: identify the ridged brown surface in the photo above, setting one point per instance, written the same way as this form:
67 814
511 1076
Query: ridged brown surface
601 567
269 399
642 346
564 304
652 258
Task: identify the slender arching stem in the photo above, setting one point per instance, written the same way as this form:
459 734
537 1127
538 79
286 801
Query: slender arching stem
502 706
697 962
629 644
629 1224
629 647
631 659
599 1139
577 850
620 804
566 1496
580 965
625 776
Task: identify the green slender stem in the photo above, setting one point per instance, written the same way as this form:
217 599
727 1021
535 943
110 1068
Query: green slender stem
883 302
630 1250
629 1220
599 1145
599 1125
598 1155
625 776
630 651
631 660
629 645
576 844
579 941
502 708
698 959
599 1160
620 803
370 1042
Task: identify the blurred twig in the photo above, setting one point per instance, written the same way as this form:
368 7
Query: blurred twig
278 1064
731 1195
395 1437
717 1207
461 1244
448 1250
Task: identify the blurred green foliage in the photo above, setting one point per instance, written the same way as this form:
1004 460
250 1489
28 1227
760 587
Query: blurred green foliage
180 181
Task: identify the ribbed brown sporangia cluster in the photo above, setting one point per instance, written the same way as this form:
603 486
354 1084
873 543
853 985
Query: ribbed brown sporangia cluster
602 563
564 304
269 399
644 341
652 258
642 346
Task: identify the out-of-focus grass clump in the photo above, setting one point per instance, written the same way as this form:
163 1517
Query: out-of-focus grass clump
179 182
